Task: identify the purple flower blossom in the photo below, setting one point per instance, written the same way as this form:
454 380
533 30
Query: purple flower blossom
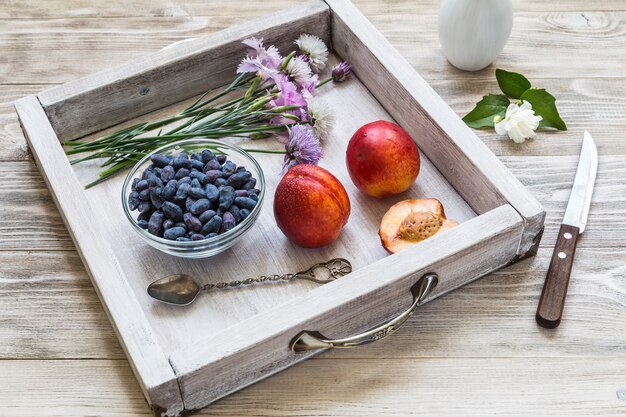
288 95
342 72
303 147
309 88
261 60
249 64
269 57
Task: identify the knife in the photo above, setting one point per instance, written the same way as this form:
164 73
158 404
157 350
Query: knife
552 299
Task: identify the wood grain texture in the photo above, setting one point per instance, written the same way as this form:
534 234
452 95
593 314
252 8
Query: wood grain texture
486 243
426 387
359 240
587 33
259 346
477 174
551 180
53 313
491 317
552 301
75 50
145 355
124 92
82 9
548 178
12 143
49 309
604 114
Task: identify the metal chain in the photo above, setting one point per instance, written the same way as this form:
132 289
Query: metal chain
249 281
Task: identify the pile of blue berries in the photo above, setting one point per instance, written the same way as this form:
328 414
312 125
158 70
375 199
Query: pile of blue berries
192 197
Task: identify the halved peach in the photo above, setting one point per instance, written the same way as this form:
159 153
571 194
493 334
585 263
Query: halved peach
411 221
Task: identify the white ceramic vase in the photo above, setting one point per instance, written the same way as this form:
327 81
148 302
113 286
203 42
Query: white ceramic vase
473 32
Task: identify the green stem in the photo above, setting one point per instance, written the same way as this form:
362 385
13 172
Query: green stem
326 81
264 151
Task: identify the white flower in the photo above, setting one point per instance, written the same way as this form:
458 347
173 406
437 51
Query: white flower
315 49
298 70
321 116
519 123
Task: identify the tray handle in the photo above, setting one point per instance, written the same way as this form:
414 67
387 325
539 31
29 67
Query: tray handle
313 340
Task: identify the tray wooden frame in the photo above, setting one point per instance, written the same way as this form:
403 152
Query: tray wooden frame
508 226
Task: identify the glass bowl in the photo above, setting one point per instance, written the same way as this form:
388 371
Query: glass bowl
197 248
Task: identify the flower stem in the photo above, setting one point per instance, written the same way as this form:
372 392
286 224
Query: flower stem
326 81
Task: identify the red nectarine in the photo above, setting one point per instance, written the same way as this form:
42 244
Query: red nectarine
311 206
382 159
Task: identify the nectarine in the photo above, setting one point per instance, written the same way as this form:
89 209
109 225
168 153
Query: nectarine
382 159
311 206
411 221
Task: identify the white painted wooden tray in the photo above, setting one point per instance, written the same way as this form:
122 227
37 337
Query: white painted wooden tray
185 358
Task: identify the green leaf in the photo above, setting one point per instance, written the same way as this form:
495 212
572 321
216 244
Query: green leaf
544 105
485 110
512 84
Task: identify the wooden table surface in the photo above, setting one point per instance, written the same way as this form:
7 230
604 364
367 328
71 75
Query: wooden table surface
476 351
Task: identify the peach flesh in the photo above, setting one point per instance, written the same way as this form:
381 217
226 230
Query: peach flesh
412 221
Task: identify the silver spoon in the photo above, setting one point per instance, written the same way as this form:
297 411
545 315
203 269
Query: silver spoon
181 289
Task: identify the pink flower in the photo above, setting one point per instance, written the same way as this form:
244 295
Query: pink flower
288 95
303 147
309 88
249 64
269 57
261 60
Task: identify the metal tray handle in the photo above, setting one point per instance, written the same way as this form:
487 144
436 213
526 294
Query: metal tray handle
312 340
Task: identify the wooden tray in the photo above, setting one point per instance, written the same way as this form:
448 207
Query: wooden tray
185 358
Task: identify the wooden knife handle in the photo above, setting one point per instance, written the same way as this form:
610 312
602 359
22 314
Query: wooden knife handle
554 291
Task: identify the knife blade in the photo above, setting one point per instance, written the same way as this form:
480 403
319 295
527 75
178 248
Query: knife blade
552 301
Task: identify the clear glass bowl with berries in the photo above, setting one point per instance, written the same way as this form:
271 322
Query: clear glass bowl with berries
194 198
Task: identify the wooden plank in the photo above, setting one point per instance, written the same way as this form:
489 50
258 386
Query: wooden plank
365 388
383 7
581 385
152 367
106 98
50 311
29 220
73 50
12 144
548 178
359 240
548 37
70 389
604 114
464 160
607 202
82 9
259 346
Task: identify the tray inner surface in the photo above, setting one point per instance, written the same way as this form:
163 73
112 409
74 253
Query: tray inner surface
264 249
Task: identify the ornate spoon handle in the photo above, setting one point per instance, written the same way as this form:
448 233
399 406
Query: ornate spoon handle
321 273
